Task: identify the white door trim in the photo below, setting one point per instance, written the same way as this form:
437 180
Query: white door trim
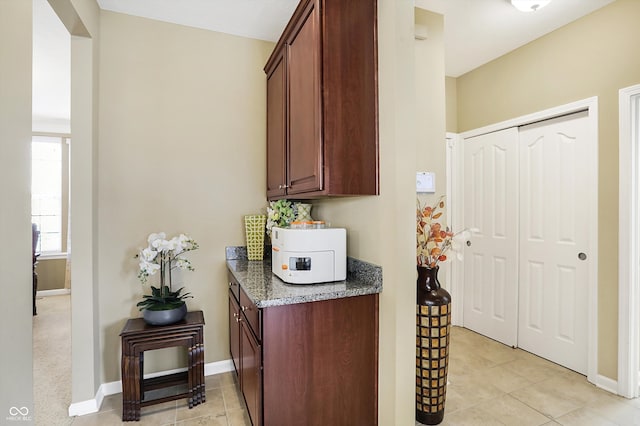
590 105
454 218
628 235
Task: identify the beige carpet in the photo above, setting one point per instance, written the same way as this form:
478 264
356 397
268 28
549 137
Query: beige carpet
52 361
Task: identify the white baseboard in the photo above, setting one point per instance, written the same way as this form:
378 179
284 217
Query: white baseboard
218 367
110 388
607 384
56 292
87 407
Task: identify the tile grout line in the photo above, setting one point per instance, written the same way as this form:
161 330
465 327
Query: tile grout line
533 408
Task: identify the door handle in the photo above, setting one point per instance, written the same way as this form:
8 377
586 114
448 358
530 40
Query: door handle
582 256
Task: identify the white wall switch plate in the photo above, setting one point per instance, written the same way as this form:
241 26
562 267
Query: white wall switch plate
425 182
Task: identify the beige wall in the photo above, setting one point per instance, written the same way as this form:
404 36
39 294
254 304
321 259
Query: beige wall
15 222
85 349
80 17
15 125
451 93
51 273
594 56
430 102
182 149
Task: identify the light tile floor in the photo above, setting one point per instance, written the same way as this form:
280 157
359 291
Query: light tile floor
489 384
493 384
224 407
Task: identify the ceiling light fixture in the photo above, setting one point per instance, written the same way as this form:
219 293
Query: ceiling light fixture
529 5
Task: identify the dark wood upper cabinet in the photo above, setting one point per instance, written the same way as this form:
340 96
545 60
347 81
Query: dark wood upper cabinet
322 107
276 128
305 138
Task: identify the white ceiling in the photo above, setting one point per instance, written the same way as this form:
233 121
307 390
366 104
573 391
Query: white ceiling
261 19
51 70
476 32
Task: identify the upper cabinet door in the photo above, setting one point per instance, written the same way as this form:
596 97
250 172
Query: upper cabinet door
276 128
329 108
305 130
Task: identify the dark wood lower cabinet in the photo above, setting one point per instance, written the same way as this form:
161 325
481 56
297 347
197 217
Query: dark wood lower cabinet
311 364
321 363
251 380
234 331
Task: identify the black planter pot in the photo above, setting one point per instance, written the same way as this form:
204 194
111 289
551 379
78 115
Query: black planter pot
165 317
433 324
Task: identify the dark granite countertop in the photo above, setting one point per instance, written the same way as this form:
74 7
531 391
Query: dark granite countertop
265 289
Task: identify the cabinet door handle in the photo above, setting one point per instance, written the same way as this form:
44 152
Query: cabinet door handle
244 308
283 186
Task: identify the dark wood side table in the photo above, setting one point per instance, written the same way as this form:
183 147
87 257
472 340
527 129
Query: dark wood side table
137 337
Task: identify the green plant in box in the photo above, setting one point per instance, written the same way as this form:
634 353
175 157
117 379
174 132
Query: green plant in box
280 213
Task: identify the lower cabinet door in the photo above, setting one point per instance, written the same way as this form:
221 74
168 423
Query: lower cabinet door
234 332
251 375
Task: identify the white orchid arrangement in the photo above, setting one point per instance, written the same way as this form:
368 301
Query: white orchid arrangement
164 255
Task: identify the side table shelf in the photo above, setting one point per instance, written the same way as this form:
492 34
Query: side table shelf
137 337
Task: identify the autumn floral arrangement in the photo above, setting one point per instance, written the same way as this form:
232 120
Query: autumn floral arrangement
433 241
163 256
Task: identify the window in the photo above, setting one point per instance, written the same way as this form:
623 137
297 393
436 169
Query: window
49 191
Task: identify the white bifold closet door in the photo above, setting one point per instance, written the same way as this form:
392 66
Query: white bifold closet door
491 256
526 281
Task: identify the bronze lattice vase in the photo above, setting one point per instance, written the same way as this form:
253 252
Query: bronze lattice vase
433 325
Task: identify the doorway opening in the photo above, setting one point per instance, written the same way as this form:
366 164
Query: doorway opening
50 195
629 244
